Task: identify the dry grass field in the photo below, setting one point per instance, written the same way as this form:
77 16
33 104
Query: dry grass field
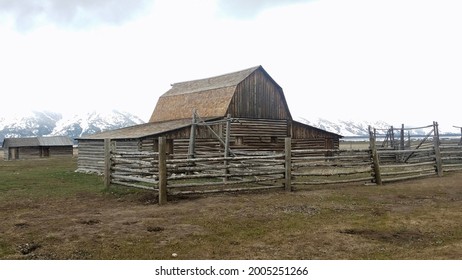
50 212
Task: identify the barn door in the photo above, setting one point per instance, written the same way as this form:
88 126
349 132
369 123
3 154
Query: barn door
13 153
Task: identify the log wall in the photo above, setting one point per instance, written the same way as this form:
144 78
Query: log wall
91 153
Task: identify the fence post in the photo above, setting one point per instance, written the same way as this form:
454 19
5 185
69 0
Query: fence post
436 145
227 140
107 162
192 136
375 157
162 171
288 164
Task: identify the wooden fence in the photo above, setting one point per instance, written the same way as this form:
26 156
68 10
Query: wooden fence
290 170
165 174
316 167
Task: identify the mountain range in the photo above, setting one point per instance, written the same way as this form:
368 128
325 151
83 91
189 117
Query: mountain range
50 123
346 128
352 129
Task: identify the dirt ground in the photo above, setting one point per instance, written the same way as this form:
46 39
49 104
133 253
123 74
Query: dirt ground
418 219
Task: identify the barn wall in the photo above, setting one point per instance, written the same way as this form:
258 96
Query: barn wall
179 139
315 143
258 135
245 135
248 135
29 152
258 97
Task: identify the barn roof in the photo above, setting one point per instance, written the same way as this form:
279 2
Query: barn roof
21 142
38 141
307 126
221 81
140 131
210 96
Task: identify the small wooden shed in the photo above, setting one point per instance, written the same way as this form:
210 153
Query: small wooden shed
37 147
245 110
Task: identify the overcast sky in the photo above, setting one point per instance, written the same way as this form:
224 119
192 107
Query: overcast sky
398 61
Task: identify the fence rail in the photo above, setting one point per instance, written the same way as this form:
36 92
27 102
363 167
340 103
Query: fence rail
315 167
290 170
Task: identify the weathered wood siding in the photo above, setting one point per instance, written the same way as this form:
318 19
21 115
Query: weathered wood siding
13 153
259 97
258 134
28 152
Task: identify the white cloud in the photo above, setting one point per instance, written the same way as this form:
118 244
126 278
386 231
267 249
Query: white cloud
28 14
398 61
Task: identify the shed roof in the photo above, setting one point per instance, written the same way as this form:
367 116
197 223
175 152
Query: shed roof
210 96
38 141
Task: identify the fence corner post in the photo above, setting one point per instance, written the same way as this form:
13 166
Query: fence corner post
107 162
436 145
162 171
288 164
375 157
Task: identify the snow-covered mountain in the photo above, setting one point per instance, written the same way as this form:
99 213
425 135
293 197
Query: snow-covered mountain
348 128
30 124
94 122
50 123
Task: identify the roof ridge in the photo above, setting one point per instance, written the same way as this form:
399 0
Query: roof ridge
250 70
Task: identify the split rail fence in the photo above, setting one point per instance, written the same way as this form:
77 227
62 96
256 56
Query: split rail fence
293 169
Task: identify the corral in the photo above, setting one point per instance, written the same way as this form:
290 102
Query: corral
288 170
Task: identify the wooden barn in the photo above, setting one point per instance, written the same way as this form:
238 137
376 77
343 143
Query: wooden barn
237 112
37 147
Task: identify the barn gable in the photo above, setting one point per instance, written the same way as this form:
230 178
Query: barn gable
249 93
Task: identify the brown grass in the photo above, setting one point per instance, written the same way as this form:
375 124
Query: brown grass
50 212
